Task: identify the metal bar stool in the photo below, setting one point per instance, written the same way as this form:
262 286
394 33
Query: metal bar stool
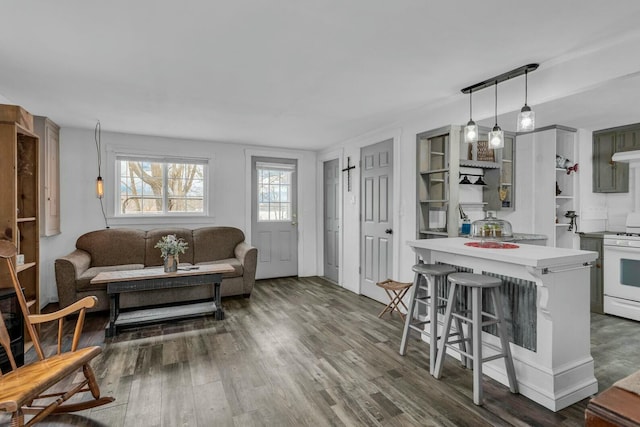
395 291
431 272
477 283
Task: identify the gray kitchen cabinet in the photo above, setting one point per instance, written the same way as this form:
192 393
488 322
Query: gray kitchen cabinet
593 242
608 176
628 138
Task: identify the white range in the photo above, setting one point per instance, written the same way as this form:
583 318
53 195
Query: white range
622 270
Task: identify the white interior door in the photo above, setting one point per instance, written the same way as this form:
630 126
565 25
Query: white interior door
376 218
331 220
274 216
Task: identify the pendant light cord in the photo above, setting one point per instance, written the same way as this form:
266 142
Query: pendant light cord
470 109
496 104
526 86
97 136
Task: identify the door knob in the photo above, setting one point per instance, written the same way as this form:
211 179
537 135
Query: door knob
388 231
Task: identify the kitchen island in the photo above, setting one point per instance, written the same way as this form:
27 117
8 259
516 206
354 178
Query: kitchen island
547 304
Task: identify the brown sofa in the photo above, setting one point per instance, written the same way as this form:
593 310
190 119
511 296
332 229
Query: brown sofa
129 249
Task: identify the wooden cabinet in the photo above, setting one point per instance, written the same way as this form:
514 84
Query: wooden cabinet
49 134
445 164
608 176
19 205
593 242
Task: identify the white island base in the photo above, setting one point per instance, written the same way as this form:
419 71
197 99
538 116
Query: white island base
557 370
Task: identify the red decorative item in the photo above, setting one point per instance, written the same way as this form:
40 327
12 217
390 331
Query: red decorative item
573 168
492 245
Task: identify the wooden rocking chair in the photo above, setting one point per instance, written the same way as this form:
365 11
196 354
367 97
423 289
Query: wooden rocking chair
26 384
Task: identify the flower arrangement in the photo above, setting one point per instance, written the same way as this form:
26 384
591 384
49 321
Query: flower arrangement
171 245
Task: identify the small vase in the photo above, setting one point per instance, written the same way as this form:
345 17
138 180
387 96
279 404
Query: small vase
171 264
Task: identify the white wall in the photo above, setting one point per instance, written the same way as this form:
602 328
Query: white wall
80 209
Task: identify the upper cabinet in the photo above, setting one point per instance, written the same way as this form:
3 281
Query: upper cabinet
452 174
610 176
437 157
49 134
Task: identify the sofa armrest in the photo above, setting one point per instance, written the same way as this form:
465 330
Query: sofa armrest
248 257
68 269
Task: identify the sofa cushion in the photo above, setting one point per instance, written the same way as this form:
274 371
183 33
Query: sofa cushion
82 282
233 262
215 243
113 246
153 254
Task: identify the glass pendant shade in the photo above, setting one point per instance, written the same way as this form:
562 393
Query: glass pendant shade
471 129
496 138
471 132
526 119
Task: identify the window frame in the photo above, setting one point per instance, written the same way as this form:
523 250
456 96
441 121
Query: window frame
119 156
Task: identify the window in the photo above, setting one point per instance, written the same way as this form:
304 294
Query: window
160 186
274 191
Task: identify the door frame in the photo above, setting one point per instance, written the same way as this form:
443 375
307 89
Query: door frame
331 155
248 155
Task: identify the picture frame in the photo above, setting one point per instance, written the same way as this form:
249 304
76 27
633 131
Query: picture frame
484 153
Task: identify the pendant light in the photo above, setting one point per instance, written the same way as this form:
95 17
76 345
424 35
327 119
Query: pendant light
496 136
471 129
526 118
99 182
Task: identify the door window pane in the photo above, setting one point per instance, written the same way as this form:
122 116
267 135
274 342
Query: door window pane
274 194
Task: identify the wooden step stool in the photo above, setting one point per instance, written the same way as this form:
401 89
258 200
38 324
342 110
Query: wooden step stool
395 291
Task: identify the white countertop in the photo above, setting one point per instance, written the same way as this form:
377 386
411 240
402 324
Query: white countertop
528 255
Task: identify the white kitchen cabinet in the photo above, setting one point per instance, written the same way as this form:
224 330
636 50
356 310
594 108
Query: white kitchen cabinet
49 134
549 208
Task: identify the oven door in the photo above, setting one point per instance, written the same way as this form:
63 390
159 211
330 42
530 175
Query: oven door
622 272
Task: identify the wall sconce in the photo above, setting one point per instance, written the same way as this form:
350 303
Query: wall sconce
471 129
496 136
99 187
526 117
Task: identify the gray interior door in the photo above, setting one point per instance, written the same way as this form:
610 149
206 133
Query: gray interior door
376 218
274 216
331 220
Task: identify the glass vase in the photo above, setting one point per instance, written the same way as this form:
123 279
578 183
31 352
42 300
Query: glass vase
171 264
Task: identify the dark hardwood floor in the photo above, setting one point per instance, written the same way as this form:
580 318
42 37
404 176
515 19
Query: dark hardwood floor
304 352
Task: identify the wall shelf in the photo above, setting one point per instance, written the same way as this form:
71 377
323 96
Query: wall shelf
29 219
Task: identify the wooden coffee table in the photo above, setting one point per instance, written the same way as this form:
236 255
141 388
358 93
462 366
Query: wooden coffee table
155 278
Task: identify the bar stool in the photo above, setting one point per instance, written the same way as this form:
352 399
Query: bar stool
477 283
430 272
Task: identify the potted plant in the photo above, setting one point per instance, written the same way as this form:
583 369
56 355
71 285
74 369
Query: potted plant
170 248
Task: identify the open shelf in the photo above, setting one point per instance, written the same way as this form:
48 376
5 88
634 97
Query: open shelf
28 219
479 164
25 266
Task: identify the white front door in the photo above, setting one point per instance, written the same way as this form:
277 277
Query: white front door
376 218
331 220
274 216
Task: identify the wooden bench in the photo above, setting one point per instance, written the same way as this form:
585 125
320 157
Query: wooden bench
24 389
618 405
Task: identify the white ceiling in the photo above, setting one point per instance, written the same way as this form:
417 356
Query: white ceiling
309 74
